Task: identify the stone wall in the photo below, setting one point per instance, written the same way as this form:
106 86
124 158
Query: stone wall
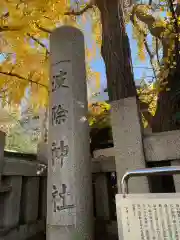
22 195
134 148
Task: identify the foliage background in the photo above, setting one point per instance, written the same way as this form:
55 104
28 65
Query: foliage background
24 69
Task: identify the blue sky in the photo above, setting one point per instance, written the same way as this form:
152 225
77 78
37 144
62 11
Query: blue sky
140 68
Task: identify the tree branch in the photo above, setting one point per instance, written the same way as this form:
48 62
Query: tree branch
39 42
150 57
144 110
9 28
146 46
176 28
22 78
148 19
85 9
5 15
157 54
43 29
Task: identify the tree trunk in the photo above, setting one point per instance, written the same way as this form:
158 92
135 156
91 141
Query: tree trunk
168 101
162 120
116 51
168 104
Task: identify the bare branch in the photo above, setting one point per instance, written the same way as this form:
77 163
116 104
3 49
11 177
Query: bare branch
157 54
22 78
43 29
146 46
150 57
39 42
5 15
9 28
144 110
85 9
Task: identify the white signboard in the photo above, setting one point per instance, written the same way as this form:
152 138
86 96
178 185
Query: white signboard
148 216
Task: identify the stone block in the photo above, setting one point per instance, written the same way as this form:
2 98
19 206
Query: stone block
43 198
30 199
128 144
176 177
10 202
102 197
2 145
42 154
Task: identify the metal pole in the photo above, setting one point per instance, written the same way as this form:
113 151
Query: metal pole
147 172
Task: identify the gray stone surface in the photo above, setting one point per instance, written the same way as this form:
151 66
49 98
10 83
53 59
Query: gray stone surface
176 176
162 146
69 98
102 197
103 164
10 203
38 236
19 167
2 143
25 232
157 147
30 199
42 152
43 197
128 145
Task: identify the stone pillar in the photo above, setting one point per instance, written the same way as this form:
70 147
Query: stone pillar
128 145
2 145
102 197
69 197
30 199
10 202
42 152
176 177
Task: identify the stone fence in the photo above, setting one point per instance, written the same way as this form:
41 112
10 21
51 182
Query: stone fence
134 148
23 180
160 149
22 195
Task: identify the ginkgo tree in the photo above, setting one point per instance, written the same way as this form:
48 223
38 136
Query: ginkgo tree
25 26
164 57
24 47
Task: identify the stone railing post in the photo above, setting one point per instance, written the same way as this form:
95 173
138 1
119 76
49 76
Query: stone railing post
128 144
2 145
102 197
176 177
